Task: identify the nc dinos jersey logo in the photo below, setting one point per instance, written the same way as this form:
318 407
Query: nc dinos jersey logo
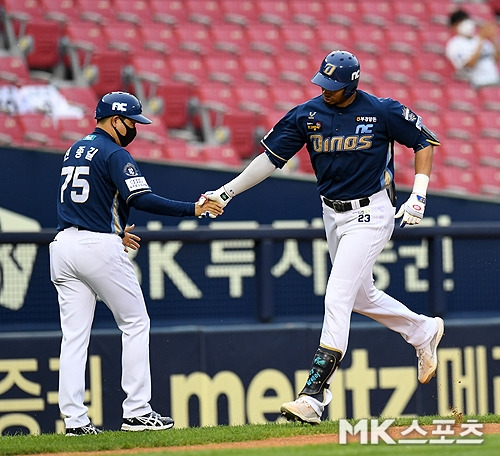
16 260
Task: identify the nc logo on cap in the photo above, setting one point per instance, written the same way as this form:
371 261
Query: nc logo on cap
119 106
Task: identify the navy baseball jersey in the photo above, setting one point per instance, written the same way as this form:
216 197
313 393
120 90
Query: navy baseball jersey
351 148
98 179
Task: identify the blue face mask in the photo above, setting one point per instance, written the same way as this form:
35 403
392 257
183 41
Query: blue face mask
128 137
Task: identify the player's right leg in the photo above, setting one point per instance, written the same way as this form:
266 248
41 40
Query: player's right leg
421 331
120 290
77 304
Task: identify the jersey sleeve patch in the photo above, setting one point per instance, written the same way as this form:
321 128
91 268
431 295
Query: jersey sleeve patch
136 183
130 170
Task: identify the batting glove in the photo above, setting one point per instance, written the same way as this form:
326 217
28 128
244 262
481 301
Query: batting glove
412 211
220 195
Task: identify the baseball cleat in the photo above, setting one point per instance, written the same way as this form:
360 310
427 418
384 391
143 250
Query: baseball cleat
427 356
84 430
149 422
300 410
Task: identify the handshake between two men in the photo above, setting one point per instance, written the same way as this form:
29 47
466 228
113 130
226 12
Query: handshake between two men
212 203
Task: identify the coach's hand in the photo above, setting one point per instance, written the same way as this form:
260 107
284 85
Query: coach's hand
207 208
412 211
130 240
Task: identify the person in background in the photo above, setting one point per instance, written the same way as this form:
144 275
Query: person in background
473 50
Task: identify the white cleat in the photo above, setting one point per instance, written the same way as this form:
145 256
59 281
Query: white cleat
427 356
300 410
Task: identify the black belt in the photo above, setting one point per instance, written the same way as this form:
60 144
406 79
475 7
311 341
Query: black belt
344 206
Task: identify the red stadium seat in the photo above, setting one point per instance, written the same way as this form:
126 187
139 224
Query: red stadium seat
434 37
230 37
224 67
410 13
124 37
188 68
146 72
370 38
107 72
397 67
137 12
174 99
299 38
13 70
221 155
40 131
11 130
142 149
81 96
265 38
205 12
433 67
488 152
428 97
402 38
438 11
460 95
180 151
97 11
194 38
169 12
488 180
459 153
276 12
312 13
457 180
242 126
299 69
489 98
379 12
62 12
394 90
345 12
216 96
239 12
333 37
488 124
258 68
286 95
72 130
159 38
460 124
253 97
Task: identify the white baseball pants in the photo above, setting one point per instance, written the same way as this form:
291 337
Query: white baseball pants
355 239
84 265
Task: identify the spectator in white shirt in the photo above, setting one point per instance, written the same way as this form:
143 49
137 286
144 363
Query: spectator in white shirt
473 50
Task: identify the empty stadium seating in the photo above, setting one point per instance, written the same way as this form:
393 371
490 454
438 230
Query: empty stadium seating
245 63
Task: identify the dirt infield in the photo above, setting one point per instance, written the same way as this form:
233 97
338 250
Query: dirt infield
301 440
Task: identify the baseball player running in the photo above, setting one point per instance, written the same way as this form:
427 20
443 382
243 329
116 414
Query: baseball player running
99 183
349 135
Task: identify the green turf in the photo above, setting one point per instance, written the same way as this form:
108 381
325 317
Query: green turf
58 443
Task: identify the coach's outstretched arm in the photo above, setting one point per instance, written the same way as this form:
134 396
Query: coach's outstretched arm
259 169
413 209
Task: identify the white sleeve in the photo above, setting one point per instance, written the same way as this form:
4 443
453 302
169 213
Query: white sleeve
259 169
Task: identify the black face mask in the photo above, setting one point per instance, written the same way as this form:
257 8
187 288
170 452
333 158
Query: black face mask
128 137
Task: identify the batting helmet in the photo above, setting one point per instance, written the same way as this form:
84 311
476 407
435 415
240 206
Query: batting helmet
120 104
339 69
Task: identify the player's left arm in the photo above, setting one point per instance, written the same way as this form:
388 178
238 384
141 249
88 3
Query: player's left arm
412 211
